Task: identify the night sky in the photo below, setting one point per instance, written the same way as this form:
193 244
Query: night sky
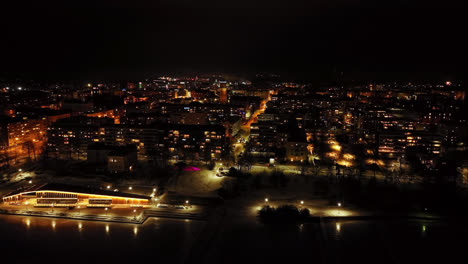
313 39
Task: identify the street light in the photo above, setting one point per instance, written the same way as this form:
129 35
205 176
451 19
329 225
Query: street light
108 186
30 182
302 202
106 210
130 187
79 211
339 204
266 200
20 170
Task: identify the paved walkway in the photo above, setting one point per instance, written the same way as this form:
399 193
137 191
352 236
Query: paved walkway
135 219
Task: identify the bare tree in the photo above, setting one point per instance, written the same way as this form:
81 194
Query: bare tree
29 146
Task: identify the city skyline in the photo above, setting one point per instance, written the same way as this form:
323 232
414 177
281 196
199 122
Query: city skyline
269 131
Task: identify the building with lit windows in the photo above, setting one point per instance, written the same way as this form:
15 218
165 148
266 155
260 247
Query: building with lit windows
122 160
62 195
199 141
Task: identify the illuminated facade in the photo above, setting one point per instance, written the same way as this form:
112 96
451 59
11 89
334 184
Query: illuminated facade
50 195
206 140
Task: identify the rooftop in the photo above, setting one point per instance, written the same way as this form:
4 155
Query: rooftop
59 187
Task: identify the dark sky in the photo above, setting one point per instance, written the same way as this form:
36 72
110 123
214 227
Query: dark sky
307 39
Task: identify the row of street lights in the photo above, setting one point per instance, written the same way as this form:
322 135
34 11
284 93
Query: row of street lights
302 202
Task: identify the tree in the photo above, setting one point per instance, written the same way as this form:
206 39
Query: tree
304 212
207 154
374 167
29 146
233 172
5 157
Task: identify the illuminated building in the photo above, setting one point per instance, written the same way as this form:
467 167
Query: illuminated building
222 95
206 140
106 113
213 110
122 160
62 195
3 135
69 138
189 118
25 129
296 151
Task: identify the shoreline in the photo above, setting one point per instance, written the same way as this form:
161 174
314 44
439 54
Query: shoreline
140 220
312 219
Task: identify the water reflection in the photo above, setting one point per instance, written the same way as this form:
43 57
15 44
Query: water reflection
171 240
67 235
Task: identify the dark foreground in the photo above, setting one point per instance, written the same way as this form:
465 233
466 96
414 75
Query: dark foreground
43 240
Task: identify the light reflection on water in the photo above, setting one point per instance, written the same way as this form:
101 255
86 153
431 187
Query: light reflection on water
170 240
166 239
380 241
